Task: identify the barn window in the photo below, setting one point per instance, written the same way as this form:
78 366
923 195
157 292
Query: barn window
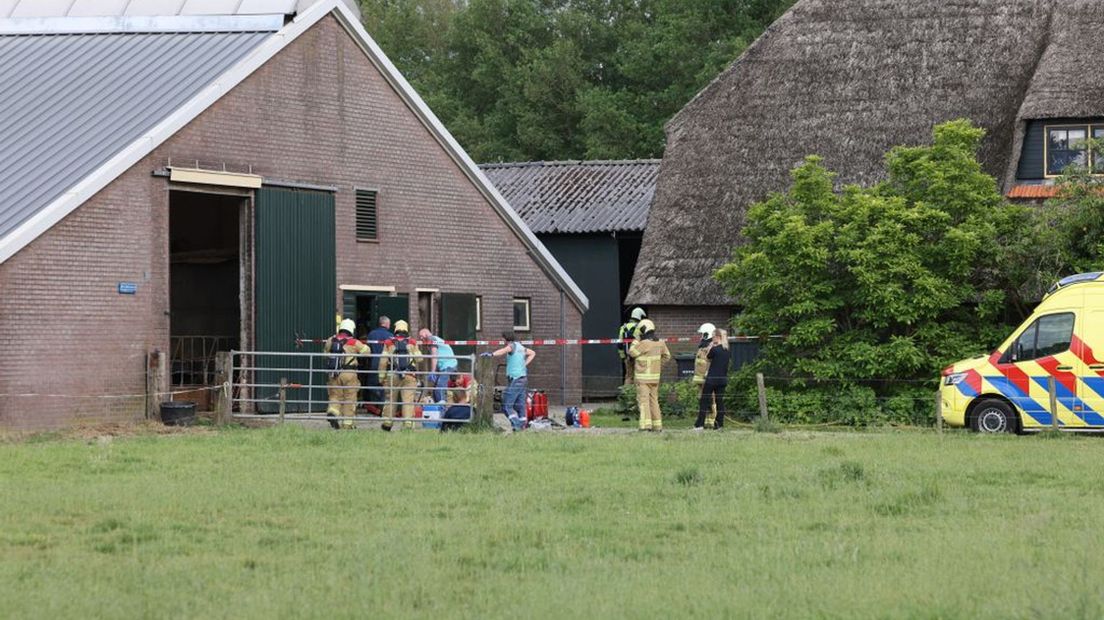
521 315
1065 147
367 216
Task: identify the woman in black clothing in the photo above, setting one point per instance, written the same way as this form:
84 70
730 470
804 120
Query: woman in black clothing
715 381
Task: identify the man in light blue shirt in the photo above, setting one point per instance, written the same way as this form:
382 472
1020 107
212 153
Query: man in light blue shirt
517 362
442 363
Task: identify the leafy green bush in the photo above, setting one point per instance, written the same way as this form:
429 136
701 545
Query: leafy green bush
878 288
676 399
812 403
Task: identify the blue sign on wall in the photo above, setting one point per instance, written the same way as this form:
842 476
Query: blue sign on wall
128 288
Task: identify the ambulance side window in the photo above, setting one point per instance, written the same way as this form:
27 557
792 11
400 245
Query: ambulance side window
1055 334
1049 335
1024 347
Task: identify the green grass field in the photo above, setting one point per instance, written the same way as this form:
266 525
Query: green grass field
288 522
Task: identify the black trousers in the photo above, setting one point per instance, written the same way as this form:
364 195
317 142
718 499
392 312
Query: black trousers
710 390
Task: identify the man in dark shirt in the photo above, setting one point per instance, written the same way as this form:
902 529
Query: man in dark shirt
375 390
716 380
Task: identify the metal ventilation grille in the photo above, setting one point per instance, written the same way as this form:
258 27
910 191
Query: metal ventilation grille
367 218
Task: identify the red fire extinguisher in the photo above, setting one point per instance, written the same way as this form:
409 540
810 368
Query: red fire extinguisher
530 408
540 404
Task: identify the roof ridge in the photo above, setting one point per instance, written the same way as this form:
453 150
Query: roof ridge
570 162
160 24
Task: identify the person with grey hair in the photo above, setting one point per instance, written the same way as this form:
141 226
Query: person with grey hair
377 337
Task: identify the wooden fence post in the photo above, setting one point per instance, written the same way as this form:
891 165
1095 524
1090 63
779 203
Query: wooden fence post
483 416
283 398
224 405
155 384
1053 403
762 395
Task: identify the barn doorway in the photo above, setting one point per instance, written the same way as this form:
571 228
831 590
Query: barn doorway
206 287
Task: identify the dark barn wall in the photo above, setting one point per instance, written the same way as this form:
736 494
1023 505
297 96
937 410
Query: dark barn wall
593 261
628 247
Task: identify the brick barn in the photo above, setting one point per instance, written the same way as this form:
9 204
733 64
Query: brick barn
181 182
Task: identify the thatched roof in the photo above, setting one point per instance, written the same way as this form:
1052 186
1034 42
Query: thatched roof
578 196
848 80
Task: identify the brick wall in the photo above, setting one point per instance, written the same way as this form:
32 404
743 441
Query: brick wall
683 322
318 112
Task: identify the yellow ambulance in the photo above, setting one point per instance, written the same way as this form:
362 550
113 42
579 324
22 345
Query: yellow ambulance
1008 391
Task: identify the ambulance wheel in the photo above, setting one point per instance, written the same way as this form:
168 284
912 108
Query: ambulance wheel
993 416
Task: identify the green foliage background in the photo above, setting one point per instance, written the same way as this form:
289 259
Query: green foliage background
563 79
880 287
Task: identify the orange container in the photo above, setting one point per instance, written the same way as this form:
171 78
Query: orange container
584 418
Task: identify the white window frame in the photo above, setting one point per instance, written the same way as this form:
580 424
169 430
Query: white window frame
528 314
478 313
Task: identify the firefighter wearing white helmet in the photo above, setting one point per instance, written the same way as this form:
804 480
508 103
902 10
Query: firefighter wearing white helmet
629 332
343 383
701 367
648 354
397 367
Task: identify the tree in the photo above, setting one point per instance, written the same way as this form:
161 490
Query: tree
1074 221
876 287
563 79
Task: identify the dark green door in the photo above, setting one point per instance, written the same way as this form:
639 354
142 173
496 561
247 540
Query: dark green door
458 320
396 308
295 288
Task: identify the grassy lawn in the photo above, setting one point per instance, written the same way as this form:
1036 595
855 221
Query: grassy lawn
289 522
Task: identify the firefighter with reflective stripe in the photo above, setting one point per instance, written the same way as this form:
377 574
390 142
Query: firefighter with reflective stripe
630 330
343 383
648 355
397 367
701 367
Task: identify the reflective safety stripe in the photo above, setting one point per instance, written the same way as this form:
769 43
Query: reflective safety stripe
648 368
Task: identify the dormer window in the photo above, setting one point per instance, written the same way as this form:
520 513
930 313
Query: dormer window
1068 145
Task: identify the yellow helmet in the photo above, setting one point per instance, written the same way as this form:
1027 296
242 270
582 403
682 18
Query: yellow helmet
646 326
348 325
402 326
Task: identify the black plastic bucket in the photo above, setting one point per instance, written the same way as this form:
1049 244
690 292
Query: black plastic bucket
178 413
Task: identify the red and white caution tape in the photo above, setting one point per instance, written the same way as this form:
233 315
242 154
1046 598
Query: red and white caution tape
559 342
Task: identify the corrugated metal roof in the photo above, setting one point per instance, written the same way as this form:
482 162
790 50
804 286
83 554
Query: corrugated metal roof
578 196
81 98
117 8
148 8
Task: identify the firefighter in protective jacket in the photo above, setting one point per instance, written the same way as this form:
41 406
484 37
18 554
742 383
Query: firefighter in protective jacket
400 360
648 354
630 330
701 367
343 383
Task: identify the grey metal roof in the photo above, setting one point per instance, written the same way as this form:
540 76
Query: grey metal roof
116 8
578 196
146 8
73 101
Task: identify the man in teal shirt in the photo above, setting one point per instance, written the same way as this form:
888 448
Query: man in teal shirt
517 361
442 363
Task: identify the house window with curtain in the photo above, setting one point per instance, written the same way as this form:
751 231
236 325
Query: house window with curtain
521 315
